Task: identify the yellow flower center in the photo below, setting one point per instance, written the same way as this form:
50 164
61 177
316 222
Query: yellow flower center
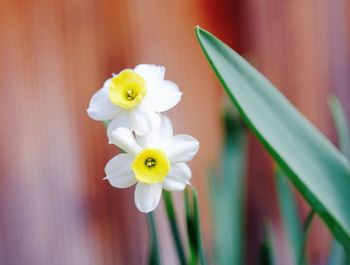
151 166
127 89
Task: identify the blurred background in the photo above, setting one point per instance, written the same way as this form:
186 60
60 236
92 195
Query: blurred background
54 206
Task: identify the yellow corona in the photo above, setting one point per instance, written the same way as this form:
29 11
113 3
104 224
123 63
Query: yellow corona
151 166
127 89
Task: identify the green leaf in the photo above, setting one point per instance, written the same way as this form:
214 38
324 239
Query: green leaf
312 163
227 193
290 216
338 255
341 125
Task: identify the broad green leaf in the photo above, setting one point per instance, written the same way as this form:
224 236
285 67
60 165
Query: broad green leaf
290 217
227 193
312 163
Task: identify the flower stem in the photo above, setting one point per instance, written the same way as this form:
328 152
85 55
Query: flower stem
169 206
154 258
306 228
193 228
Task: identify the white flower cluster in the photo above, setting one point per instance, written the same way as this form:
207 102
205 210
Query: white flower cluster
154 158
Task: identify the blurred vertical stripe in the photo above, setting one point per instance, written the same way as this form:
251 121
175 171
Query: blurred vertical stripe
54 206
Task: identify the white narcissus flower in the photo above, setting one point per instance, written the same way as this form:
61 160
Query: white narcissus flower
133 98
154 161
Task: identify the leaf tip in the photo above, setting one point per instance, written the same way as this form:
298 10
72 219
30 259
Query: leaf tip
197 30
200 32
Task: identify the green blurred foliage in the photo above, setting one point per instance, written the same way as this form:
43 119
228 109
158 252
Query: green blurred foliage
227 193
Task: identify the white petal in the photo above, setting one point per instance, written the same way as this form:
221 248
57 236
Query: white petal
145 141
143 119
100 107
150 71
147 196
165 96
152 74
158 135
166 128
119 172
124 139
178 177
123 120
181 148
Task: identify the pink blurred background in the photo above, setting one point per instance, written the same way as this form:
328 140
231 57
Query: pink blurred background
55 208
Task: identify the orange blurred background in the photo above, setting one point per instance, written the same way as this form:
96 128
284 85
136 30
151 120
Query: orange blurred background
55 208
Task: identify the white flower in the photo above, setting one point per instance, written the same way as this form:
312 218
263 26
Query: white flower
133 98
154 161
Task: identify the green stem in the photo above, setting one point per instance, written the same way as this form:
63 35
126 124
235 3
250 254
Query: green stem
169 206
154 258
202 256
193 228
306 228
192 236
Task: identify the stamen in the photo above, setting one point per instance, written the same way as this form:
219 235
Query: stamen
150 162
131 94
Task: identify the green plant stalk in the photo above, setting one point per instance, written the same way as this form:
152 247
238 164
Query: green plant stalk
193 228
197 222
306 229
191 235
227 184
106 123
267 251
169 206
289 214
154 258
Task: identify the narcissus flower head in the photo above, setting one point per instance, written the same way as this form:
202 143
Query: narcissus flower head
133 98
153 161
